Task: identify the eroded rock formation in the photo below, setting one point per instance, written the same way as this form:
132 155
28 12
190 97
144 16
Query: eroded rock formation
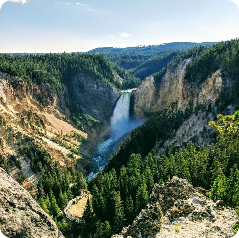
95 97
176 209
154 96
20 215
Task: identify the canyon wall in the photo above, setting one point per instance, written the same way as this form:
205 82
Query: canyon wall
154 96
96 98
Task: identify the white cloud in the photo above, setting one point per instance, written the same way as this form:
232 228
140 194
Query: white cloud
236 2
145 35
67 3
19 1
82 4
124 35
120 37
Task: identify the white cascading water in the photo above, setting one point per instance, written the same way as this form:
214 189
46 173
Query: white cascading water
120 119
120 124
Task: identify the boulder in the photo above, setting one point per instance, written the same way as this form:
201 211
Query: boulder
20 214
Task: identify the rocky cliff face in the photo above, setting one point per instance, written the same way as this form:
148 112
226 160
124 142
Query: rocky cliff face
24 118
154 96
95 97
176 209
20 215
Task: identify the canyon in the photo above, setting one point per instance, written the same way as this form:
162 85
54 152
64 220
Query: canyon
79 128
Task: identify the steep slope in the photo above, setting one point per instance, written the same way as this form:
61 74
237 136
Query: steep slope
20 215
176 209
95 98
23 119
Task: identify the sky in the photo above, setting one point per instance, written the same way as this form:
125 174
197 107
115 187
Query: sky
42 26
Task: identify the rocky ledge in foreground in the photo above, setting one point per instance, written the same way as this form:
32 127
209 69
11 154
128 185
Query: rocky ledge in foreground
176 209
20 215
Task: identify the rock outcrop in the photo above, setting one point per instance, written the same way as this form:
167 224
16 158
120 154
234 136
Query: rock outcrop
152 96
20 215
176 209
96 98
75 207
174 92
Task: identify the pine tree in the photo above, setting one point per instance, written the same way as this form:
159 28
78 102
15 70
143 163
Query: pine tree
149 179
88 220
62 225
63 200
233 187
43 205
81 181
48 203
69 193
55 210
119 217
141 196
216 170
129 209
103 230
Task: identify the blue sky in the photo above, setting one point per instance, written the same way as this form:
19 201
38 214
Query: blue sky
81 25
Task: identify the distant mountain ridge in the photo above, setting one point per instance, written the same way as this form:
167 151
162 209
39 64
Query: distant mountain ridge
169 47
143 61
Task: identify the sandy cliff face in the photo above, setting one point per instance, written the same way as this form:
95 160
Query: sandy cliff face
20 215
154 96
23 118
176 209
32 112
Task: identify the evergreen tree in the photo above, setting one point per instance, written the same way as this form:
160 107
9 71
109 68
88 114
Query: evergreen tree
233 187
149 179
88 221
43 205
103 230
48 203
63 200
62 225
129 209
55 210
119 217
141 197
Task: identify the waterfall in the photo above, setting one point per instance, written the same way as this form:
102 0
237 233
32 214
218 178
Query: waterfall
120 119
120 125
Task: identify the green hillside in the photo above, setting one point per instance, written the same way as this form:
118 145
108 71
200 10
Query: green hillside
58 69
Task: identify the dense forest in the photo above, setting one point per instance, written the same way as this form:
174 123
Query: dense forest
118 197
143 61
57 70
151 49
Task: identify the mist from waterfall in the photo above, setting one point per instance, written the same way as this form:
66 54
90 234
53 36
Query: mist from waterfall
121 124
